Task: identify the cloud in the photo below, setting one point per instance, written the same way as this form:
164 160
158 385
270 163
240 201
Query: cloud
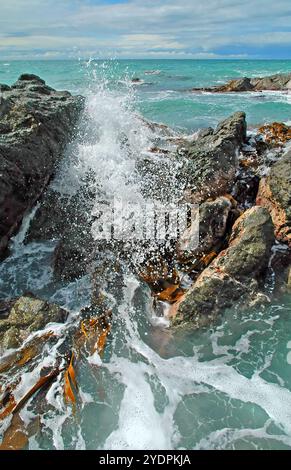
136 28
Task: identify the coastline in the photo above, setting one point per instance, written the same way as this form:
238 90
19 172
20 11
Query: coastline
242 200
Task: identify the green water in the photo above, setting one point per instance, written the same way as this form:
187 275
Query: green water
226 387
165 96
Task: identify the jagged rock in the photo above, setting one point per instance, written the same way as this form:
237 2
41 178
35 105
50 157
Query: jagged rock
210 162
234 275
242 84
278 82
36 123
25 315
215 218
274 194
275 82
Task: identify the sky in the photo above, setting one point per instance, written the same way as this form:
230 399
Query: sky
178 29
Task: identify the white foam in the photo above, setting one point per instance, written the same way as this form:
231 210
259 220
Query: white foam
95 359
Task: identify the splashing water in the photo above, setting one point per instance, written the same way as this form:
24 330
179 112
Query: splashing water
225 387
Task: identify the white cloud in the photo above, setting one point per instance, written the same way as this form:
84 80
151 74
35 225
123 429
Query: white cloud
139 28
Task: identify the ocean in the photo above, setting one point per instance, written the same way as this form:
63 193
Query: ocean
224 387
164 93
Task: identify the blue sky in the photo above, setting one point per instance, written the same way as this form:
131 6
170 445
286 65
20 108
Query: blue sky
57 29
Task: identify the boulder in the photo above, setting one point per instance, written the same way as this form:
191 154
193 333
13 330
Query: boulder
24 316
215 218
274 194
233 276
36 122
209 163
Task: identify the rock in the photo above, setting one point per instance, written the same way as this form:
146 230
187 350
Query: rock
158 270
276 134
74 254
215 217
51 218
234 275
210 162
280 266
242 84
274 194
245 188
24 316
36 123
278 82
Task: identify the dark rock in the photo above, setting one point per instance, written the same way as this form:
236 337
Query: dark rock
36 123
31 77
274 194
281 269
51 218
68 220
214 219
24 316
4 87
234 275
210 162
74 254
245 189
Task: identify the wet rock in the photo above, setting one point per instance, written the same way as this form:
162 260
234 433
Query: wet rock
36 123
215 218
210 162
274 194
66 219
245 188
74 253
51 218
233 276
158 269
25 315
280 268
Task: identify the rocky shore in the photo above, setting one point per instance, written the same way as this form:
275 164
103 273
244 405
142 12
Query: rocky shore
243 195
36 122
277 82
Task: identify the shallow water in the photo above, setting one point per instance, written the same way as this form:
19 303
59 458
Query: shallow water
227 387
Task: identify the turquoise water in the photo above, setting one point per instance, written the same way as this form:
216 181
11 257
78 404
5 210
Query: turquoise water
165 96
225 387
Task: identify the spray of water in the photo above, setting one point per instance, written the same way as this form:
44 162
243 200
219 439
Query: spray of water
150 390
